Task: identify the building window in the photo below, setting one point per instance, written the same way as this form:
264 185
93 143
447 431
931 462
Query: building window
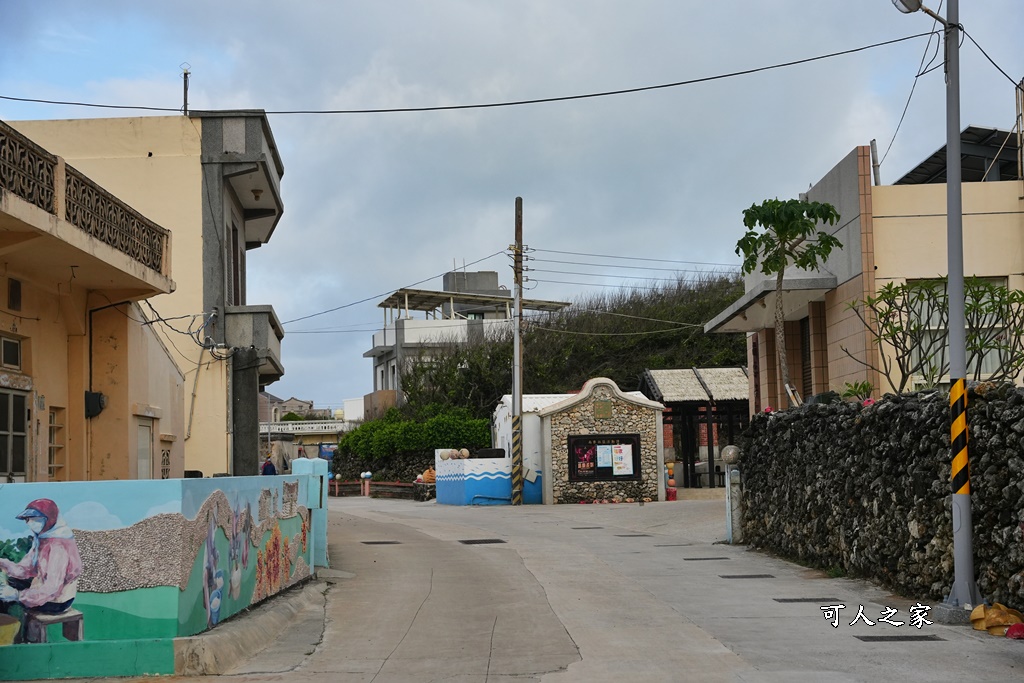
930 311
144 448
55 440
756 372
10 353
13 432
807 378
13 294
235 293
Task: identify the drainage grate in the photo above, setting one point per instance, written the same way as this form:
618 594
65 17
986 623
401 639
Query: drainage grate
702 559
816 601
909 639
745 576
633 535
381 542
587 527
481 541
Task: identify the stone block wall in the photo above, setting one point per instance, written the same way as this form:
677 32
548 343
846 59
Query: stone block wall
866 490
627 417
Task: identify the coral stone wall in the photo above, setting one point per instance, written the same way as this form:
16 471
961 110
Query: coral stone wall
627 418
867 490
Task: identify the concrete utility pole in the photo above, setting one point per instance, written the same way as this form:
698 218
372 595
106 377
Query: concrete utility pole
517 363
964 592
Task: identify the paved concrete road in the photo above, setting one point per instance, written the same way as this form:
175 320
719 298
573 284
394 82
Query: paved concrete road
595 593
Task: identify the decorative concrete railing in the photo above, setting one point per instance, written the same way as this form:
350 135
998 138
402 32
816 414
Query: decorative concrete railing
26 169
108 219
306 427
30 172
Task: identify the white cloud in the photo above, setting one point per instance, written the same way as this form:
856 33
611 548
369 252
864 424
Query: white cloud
92 516
169 506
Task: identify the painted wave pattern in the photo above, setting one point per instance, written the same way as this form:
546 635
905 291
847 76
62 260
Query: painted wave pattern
473 476
487 475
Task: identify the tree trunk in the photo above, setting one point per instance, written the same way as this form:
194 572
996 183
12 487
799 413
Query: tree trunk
780 334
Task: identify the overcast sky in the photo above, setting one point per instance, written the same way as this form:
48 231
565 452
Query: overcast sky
374 202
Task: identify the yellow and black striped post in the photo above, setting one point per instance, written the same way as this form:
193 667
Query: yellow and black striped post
964 593
517 459
960 476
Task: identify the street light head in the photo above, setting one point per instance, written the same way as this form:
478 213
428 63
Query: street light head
907 6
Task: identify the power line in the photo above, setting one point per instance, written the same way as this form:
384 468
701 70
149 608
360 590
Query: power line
620 277
607 334
611 265
634 317
493 322
513 103
377 296
991 61
920 72
595 284
94 105
631 258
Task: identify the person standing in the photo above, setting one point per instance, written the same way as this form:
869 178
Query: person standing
268 466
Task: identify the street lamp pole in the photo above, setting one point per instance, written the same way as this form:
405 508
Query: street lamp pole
964 592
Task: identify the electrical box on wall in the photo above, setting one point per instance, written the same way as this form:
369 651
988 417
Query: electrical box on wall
95 402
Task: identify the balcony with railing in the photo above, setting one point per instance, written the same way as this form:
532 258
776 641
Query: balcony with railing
94 231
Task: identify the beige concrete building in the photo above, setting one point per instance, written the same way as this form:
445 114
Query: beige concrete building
472 307
88 390
213 180
890 233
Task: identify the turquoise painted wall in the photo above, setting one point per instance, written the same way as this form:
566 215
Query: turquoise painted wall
163 559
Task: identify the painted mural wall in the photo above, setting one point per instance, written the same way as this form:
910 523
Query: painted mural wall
109 561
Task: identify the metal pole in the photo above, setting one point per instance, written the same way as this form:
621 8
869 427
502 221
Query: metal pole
964 592
184 96
517 364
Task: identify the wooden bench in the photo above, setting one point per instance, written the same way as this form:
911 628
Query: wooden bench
71 621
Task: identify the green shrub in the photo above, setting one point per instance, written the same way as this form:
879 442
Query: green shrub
393 446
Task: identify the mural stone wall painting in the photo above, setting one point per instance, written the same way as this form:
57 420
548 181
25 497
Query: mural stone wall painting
106 561
39 575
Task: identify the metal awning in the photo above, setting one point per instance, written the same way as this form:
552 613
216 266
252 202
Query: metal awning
755 310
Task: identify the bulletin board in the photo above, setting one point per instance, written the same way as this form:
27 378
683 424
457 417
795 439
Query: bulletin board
604 457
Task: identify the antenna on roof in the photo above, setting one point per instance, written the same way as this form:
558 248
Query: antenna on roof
184 66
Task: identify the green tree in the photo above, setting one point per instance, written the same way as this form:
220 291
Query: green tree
781 234
909 324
